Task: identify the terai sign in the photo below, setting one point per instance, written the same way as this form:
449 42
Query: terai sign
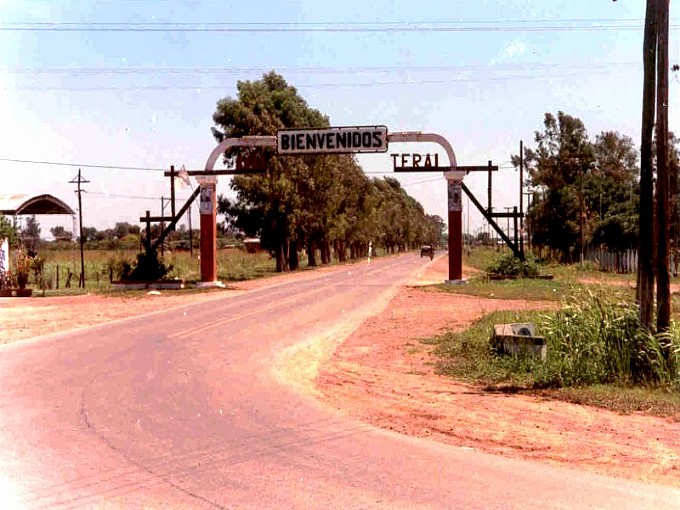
332 140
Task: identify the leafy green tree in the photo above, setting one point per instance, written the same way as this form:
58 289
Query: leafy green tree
61 234
267 204
30 234
585 193
122 229
318 203
7 230
89 233
611 194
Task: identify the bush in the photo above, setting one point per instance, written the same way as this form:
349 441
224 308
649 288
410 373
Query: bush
149 268
511 266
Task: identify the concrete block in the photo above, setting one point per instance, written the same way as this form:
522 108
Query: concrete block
519 338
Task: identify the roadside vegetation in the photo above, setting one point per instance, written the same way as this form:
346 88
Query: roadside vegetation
597 352
104 266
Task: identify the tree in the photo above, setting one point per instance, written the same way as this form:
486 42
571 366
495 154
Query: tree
61 234
585 192
122 229
558 169
311 202
89 233
30 234
8 231
266 204
611 193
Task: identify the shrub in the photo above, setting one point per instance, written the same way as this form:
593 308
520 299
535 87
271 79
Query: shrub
509 265
149 267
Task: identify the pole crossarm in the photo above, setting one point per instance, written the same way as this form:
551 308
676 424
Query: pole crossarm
499 230
173 222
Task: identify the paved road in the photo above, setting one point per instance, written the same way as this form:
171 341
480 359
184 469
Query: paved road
180 410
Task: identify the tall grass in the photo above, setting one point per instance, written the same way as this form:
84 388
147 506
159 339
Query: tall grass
593 339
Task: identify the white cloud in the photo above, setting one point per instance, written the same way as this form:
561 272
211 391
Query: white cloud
514 49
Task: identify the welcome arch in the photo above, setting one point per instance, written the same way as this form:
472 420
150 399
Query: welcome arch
361 139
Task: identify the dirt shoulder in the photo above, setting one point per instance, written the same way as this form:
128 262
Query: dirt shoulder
381 374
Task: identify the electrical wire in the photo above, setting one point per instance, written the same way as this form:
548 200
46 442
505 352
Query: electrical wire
119 167
552 25
313 70
81 165
201 87
134 197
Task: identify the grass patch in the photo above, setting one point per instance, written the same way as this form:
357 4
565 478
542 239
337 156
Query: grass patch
597 355
521 288
662 402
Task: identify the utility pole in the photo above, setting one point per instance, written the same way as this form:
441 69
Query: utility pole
521 196
645 276
191 235
507 228
79 180
162 222
663 286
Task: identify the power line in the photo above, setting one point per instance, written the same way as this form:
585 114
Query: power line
408 82
105 194
424 21
118 167
312 70
553 25
82 165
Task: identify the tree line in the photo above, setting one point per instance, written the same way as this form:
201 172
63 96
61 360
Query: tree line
585 193
123 235
321 205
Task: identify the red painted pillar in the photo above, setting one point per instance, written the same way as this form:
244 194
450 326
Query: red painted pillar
208 210
455 191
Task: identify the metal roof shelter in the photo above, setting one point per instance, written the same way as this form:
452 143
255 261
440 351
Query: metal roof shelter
15 205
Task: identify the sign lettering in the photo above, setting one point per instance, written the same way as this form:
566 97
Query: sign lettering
332 140
407 162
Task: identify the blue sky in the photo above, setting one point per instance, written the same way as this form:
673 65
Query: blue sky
87 94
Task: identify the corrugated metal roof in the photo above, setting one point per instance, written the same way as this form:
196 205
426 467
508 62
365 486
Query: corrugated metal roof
16 204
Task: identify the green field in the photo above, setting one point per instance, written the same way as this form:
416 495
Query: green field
102 266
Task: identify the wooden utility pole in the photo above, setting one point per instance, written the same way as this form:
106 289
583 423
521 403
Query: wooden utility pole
663 284
521 196
79 180
645 278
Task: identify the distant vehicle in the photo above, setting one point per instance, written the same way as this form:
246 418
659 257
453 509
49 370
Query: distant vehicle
427 249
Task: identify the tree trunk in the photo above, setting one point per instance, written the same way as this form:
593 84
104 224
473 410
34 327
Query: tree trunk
325 259
341 251
663 285
279 258
645 286
311 253
293 258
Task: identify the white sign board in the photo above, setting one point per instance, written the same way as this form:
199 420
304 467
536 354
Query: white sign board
332 140
207 197
4 255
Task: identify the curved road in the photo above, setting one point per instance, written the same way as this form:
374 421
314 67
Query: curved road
181 409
